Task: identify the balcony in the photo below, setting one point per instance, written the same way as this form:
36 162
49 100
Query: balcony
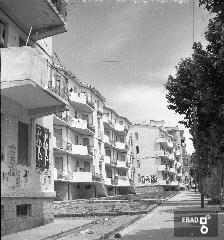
179 175
101 157
121 146
174 183
46 17
61 118
171 157
107 123
81 102
165 142
82 177
61 146
108 181
62 175
162 182
84 152
28 79
99 113
114 182
161 154
123 181
162 167
82 126
108 142
107 160
100 135
121 128
172 171
121 164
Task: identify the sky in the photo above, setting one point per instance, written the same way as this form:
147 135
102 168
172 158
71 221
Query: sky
128 48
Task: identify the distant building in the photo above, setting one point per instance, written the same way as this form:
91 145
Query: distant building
158 156
117 157
29 95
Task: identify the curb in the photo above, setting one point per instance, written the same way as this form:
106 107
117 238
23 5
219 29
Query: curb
66 233
109 234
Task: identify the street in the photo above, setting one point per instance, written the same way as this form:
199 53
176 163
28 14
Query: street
159 224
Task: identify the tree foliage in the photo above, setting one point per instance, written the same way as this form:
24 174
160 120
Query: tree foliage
199 85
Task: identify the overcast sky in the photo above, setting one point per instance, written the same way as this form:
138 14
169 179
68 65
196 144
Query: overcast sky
146 41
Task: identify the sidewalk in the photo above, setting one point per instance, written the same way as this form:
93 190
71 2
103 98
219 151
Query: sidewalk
48 230
159 224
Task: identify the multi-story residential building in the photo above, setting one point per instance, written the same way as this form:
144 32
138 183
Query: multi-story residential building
78 150
29 94
180 154
116 153
156 157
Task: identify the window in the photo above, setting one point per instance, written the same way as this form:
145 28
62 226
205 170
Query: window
138 163
78 186
88 187
136 136
23 210
85 141
99 145
2 35
122 140
137 149
121 122
22 143
98 123
76 139
108 153
139 178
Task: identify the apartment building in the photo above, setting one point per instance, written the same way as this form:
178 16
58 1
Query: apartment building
29 95
157 159
116 147
180 155
78 148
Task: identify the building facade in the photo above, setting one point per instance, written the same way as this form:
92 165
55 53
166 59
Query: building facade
157 156
89 146
78 148
116 148
29 95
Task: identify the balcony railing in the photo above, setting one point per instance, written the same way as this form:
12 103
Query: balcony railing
113 161
63 145
100 134
63 116
90 103
64 175
90 150
91 127
96 177
114 181
99 114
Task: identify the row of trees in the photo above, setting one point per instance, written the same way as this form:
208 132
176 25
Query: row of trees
197 93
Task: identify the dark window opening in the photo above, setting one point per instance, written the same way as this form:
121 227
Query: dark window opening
88 187
78 186
23 210
22 143
2 35
137 149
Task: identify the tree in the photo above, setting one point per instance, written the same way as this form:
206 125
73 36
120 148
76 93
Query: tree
197 93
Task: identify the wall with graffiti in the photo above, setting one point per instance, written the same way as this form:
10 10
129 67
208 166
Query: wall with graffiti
151 179
19 179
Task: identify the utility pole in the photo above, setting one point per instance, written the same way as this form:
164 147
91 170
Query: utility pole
199 162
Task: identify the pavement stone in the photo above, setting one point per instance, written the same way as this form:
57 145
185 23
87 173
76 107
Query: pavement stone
48 230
